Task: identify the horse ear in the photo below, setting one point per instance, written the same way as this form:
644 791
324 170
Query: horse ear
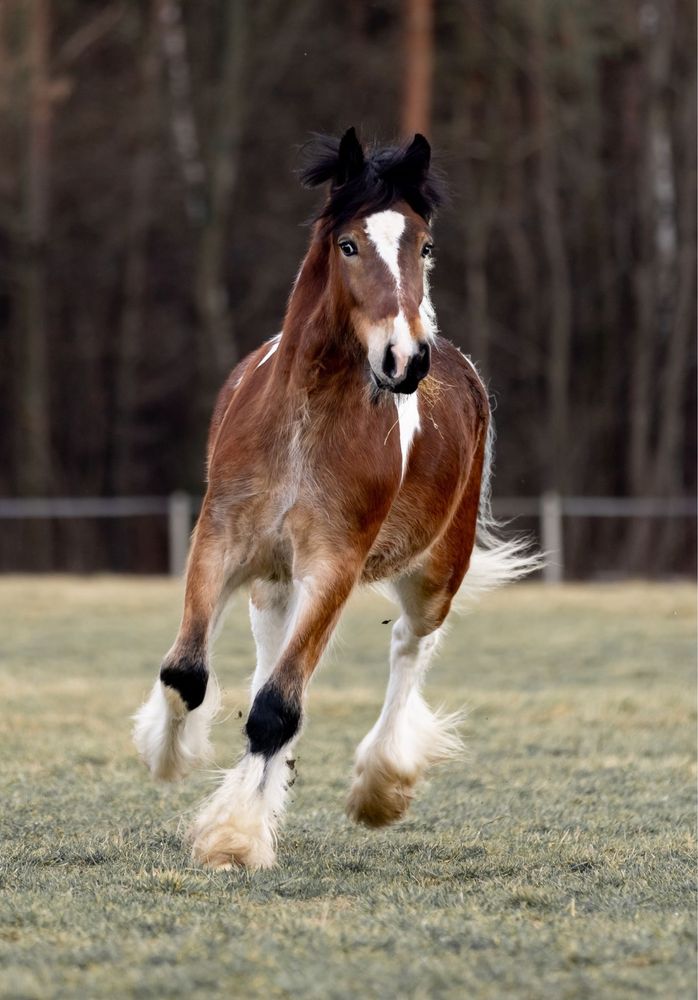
418 156
350 158
328 159
409 166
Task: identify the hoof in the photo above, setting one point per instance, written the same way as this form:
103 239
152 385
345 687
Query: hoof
224 847
391 760
379 796
236 827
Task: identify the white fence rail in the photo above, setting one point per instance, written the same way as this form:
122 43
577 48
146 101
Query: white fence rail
180 508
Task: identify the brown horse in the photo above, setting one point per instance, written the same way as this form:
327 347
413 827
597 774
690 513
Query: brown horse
352 448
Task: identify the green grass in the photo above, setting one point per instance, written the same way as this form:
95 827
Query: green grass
557 860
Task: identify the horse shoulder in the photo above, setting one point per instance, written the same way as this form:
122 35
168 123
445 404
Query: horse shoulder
224 398
253 363
456 388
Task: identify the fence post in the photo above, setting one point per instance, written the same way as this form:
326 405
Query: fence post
551 537
179 529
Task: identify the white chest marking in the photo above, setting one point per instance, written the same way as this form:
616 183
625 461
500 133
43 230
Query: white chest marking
384 229
408 419
275 341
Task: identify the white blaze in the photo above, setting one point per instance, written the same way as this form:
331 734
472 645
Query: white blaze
384 229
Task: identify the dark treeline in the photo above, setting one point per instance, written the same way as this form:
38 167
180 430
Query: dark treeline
151 226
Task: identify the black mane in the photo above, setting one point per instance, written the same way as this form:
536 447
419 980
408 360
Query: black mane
363 182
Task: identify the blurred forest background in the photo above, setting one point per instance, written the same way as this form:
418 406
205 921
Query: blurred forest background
151 226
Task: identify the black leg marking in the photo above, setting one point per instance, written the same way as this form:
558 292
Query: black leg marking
188 677
272 722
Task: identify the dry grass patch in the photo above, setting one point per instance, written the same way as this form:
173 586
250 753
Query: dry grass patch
556 860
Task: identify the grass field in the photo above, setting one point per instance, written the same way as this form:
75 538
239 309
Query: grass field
556 861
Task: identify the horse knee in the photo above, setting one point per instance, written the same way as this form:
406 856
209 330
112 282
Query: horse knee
188 675
273 721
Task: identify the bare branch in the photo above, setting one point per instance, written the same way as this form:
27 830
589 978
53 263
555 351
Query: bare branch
90 34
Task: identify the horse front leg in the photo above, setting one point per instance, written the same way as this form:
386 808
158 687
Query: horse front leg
171 730
238 824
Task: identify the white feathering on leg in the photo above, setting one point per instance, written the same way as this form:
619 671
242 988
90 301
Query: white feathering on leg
171 740
407 739
238 823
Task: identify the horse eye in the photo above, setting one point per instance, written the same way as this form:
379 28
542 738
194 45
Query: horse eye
427 249
348 248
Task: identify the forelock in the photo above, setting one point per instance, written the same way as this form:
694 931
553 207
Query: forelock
383 178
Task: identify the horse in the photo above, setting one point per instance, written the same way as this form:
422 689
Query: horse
353 448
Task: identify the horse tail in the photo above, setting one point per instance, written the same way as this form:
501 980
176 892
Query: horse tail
496 560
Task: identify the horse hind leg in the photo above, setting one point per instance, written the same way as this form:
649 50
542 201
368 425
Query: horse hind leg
171 730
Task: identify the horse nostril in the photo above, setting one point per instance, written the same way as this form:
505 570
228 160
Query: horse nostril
423 359
389 362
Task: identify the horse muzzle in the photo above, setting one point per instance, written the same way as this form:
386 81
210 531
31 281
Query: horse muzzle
412 373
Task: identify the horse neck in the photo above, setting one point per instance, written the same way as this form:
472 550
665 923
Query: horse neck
317 338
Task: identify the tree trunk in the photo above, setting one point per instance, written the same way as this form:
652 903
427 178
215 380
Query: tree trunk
668 465
185 130
33 450
210 182
418 65
476 138
132 327
664 289
559 332
223 165
31 437
671 440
